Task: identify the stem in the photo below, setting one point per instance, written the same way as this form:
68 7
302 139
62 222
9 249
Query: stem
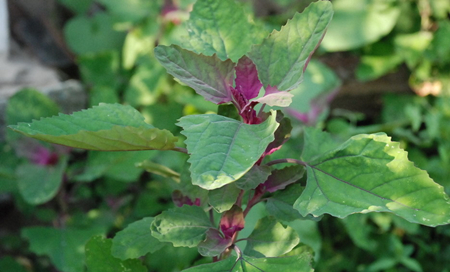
261 110
180 149
211 216
287 160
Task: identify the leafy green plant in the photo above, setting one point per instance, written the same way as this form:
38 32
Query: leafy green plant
233 165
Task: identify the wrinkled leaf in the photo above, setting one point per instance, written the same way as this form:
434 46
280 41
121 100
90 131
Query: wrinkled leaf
108 127
183 226
208 76
283 56
223 149
298 263
99 258
370 173
135 240
270 239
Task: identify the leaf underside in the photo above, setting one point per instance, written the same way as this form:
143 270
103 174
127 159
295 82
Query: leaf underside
107 127
223 149
371 173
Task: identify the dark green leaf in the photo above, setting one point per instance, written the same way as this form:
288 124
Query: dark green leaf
108 127
270 239
255 176
283 56
135 240
223 149
99 258
222 199
184 226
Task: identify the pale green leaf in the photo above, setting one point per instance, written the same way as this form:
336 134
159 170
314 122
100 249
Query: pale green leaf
38 183
207 75
298 263
223 149
223 198
270 239
371 173
222 28
99 258
107 127
135 240
282 57
183 226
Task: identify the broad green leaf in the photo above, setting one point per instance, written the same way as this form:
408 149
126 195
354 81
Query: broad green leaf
38 183
99 258
298 263
26 105
280 204
222 28
371 173
280 178
254 177
183 226
214 244
107 127
135 240
223 149
65 247
223 198
207 75
270 239
158 169
359 23
283 56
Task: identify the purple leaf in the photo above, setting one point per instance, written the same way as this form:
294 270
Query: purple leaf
180 199
247 81
232 221
280 178
214 244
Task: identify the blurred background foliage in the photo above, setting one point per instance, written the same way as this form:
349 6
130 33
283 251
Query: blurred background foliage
383 65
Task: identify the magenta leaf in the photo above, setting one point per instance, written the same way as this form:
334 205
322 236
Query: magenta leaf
214 244
247 82
180 199
232 221
280 178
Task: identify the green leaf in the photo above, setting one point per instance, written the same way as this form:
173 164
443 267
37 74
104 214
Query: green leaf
371 173
298 263
358 24
214 244
280 204
26 105
99 258
184 226
135 240
222 28
65 247
255 176
222 199
270 239
108 127
37 183
223 149
283 56
8 263
208 76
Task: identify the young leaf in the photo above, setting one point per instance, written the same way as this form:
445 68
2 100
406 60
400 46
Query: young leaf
107 127
247 81
183 226
37 183
371 173
297 263
283 56
220 27
270 239
214 244
223 198
208 76
223 149
232 221
99 258
135 240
